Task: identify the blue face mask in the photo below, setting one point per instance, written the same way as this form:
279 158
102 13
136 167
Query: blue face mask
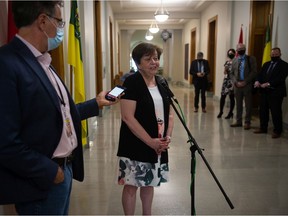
53 43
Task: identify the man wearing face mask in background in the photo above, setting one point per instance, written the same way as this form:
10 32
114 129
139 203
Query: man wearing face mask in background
40 130
271 82
199 70
243 72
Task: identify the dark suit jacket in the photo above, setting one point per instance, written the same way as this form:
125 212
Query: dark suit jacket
276 78
200 81
31 126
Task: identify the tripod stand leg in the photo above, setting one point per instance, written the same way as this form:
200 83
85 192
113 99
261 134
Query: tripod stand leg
192 186
194 147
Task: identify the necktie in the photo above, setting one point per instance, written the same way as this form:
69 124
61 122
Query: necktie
271 67
241 68
200 66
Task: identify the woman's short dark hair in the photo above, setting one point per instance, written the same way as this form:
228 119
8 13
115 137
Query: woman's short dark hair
231 50
26 12
145 49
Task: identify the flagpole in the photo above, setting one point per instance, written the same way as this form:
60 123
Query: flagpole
71 80
240 40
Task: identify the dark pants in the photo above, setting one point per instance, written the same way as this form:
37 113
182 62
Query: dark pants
57 202
274 104
199 90
243 94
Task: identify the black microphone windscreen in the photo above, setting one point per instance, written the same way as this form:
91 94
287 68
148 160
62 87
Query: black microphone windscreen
163 82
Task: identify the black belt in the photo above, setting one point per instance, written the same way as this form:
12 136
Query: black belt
63 161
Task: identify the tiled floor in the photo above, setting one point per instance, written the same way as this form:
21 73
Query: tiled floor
252 168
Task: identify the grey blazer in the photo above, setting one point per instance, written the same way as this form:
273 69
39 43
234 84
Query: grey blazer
250 70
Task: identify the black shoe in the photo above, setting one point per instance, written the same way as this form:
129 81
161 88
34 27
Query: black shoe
260 131
247 126
275 135
236 125
230 115
219 115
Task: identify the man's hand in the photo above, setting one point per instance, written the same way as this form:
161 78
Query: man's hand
240 84
265 85
200 74
102 101
257 84
59 176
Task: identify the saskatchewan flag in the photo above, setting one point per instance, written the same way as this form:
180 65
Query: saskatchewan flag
75 60
267 49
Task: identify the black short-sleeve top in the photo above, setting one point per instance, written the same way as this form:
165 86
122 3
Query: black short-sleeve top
129 145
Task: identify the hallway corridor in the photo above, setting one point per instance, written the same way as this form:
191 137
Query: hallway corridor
252 168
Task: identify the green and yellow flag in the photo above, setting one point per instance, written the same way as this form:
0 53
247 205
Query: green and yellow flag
75 60
267 49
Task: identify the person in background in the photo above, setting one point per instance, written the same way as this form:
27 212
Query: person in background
243 72
199 70
227 86
271 82
40 130
122 79
145 133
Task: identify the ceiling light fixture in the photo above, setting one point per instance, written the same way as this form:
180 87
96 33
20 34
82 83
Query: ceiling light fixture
148 35
154 27
161 14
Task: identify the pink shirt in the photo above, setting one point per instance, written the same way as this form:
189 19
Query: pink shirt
68 140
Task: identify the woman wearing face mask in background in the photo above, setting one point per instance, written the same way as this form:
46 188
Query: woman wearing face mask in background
227 86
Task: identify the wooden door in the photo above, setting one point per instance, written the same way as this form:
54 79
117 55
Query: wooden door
211 53
261 11
192 51
98 48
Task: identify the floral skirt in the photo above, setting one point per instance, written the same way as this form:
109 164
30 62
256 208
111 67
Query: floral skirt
227 87
142 174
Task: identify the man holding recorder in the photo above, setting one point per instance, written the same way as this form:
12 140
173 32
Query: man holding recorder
40 130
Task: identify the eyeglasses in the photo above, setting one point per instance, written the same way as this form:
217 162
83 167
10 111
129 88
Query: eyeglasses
61 23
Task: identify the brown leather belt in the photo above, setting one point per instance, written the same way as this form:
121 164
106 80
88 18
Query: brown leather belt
63 161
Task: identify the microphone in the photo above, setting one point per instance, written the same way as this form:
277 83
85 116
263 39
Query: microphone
163 83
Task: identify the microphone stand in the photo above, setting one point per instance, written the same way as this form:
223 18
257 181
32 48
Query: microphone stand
194 147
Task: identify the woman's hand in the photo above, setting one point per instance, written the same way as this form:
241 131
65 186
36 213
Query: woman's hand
160 145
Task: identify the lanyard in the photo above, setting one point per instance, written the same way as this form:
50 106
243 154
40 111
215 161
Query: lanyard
61 98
